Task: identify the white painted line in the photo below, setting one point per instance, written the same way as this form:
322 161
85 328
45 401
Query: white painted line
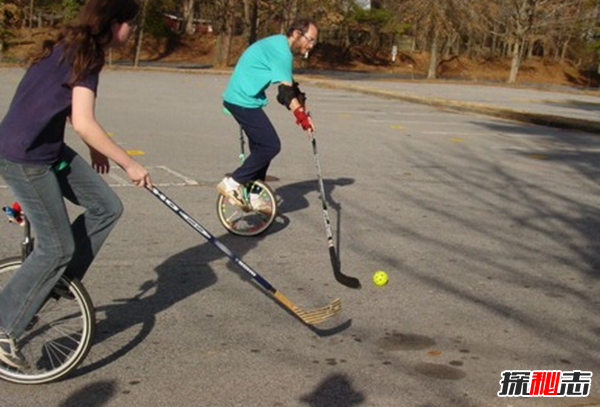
450 133
436 114
403 122
187 180
121 181
549 149
351 112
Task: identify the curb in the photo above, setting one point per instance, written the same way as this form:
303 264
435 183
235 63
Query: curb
504 113
541 119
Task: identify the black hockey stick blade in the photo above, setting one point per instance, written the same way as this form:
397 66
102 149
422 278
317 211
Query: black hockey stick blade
348 281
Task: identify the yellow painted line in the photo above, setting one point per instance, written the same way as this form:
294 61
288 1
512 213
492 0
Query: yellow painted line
135 152
396 127
109 134
537 156
457 140
526 100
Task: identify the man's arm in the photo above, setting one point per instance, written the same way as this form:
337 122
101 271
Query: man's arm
290 96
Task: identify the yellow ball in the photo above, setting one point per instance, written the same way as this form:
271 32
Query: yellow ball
380 278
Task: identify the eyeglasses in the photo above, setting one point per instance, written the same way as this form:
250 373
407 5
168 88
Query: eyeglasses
309 39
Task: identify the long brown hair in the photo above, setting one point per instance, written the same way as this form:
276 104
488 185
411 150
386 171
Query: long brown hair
89 35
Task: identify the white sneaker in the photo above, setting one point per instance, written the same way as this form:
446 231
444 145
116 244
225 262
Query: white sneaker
232 190
258 205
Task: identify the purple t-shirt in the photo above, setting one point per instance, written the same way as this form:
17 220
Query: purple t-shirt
33 129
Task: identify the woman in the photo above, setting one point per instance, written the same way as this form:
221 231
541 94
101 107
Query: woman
41 169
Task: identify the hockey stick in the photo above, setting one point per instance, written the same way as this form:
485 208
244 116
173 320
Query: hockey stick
340 277
309 317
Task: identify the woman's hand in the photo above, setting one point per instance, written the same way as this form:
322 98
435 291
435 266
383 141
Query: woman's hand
138 174
99 162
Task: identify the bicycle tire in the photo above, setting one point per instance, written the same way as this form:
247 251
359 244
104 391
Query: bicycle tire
60 335
248 222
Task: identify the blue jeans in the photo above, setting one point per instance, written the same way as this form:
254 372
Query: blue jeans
262 138
61 247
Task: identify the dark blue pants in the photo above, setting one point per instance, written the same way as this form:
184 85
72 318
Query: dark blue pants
262 138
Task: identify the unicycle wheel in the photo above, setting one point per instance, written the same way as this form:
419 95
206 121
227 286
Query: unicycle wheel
256 217
60 335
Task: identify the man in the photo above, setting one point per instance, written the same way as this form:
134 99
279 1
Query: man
267 61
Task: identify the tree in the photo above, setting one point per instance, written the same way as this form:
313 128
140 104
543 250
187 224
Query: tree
3 28
438 21
70 9
140 34
521 17
251 19
532 23
374 23
224 25
9 17
290 12
188 17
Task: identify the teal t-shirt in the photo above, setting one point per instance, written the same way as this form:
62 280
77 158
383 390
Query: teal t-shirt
265 62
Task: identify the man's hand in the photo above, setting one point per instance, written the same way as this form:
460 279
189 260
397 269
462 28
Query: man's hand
303 119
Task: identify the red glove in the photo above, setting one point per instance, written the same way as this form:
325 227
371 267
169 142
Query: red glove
302 118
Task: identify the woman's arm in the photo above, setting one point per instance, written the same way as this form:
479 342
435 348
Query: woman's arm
85 124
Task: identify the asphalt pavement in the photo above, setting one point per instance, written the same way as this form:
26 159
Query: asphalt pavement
570 108
486 225
560 106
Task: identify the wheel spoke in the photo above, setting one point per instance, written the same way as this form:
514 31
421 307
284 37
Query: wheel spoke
248 222
60 335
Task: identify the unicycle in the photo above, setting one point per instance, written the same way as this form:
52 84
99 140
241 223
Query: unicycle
60 335
259 211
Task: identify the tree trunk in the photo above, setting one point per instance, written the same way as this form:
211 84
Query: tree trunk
530 47
414 38
225 34
495 42
188 17
140 37
516 62
2 29
447 48
251 17
565 49
31 15
292 12
433 59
